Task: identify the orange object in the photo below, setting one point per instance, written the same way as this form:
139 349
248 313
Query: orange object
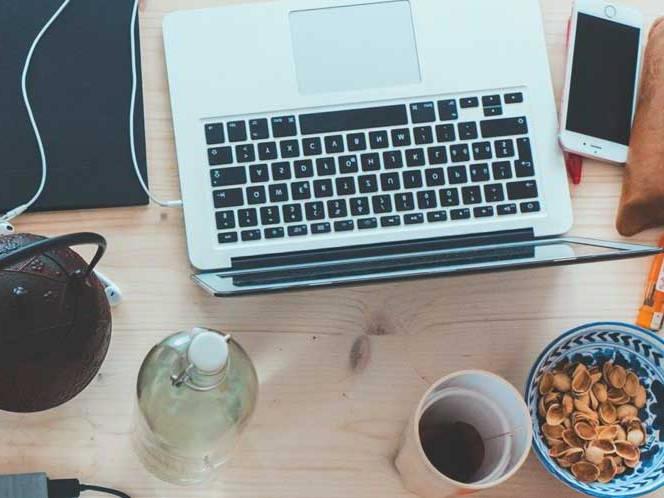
651 314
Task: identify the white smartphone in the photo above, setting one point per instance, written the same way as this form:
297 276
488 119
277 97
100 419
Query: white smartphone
603 69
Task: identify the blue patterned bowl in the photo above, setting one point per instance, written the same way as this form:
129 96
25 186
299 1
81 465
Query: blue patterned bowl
633 348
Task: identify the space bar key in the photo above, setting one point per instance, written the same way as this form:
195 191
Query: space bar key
506 127
353 119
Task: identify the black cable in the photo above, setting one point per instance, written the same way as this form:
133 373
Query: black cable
100 489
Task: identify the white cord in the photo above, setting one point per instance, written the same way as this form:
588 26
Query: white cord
10 215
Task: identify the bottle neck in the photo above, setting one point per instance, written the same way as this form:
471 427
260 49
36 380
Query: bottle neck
199 380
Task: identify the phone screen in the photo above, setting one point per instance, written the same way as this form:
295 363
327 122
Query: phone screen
603 80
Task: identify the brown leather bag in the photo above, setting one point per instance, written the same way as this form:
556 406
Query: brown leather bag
642 203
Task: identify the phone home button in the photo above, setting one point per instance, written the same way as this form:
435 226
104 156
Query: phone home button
610 11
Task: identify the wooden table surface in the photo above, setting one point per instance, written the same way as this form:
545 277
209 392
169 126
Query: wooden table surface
340 369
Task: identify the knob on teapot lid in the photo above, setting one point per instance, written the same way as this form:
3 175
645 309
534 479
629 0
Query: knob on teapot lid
208 351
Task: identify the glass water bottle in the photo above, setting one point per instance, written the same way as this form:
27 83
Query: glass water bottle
196 393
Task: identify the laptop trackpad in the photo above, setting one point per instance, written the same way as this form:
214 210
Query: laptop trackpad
355 47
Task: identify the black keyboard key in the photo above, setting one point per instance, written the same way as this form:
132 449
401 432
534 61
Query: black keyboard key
297 230
344 226
245 153
413 219
493 111
523 146
415 158
226 177
378 140
325 166
426 199
274 233
502 170
467 130
334 144
237 131
491 100
359 206
435 177
483 212
482 151
494 192
437 216
220 155
495 128
300 191
370 162
504 148
471 195
256 195
289 148
447 110
404 202
258 173
368 184
258 129
353 119
225 220
460 214
323 188
312 146
214 134
445 133
381 204
292 213
249 235
390 181
337 208
449 197
412 179
479 172
319 228
459 153
227 237
437 155
247 218
348 164
522 190
530 207
278 192
423 135
314 210
513 98
281 171
367 223
392 159
356 142
457 175
303 169
524 169
270 215
345 185
506 209
283 126
469 102
422 112
390 221
228 198
401 137
267 151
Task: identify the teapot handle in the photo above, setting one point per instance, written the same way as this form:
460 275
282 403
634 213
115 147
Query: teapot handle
39 247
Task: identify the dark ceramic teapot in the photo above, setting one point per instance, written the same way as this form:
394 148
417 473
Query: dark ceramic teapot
55 320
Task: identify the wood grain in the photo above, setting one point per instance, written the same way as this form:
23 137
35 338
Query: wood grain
340 369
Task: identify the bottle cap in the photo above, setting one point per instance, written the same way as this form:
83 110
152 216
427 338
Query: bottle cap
208 352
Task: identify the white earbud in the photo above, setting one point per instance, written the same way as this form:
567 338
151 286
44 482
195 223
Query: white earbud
113 292
6 228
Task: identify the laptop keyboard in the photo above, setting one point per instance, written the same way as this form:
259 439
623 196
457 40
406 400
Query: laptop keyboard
385 167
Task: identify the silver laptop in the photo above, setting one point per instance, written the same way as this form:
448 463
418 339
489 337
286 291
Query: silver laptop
344 141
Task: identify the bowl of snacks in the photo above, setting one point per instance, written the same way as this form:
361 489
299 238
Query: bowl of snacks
596 399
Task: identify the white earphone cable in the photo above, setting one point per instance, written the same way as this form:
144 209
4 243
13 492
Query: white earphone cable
10 215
